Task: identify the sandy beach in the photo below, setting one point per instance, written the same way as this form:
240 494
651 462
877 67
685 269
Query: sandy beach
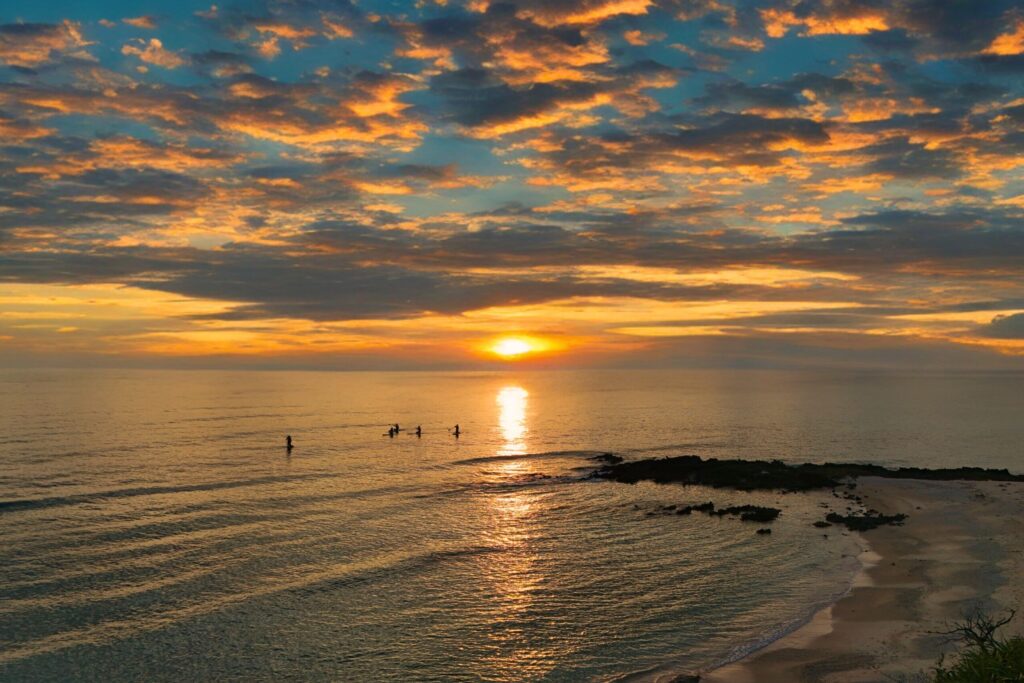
959 550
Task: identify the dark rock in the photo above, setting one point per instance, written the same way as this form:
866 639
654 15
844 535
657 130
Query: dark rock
707 507
747 513
738 474
763 532
609 458
865 522
753 475
821 524
750 513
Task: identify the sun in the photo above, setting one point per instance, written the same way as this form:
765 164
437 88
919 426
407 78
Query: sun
512 347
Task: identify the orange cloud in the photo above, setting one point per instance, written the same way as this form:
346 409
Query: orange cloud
369 110
550 62
591 13
673 330
269 48
13 129
296 34
768 276
808 215
777 23
753 44
562 113
881 108
34 44
640 38
440 56
154 53
584 12
127 152
334 28
572 110
847 183
379 97
141 22
281 128
1011 43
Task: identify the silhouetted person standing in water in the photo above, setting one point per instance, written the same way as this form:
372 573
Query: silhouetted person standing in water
419 431
288 442
456 431
391 432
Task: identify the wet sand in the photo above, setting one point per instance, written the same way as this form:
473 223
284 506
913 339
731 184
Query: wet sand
960 549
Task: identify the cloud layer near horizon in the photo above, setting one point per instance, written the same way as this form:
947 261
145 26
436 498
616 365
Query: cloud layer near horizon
766 182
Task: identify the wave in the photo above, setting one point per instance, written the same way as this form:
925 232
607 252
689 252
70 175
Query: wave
523 481
526 456
234 418
305 579
677 448
60 501
671 671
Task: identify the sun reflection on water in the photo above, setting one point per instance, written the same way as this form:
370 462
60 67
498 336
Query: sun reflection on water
512 420
516 573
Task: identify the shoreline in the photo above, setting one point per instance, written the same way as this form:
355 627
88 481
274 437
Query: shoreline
957 551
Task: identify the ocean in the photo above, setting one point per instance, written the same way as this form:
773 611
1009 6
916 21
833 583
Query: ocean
156 528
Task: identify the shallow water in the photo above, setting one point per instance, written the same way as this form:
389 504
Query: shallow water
155 527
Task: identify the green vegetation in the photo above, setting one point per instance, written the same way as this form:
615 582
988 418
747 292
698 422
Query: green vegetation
985 658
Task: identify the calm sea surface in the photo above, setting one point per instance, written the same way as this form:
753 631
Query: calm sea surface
154 527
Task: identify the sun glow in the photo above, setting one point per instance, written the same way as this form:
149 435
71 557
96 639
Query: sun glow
513 347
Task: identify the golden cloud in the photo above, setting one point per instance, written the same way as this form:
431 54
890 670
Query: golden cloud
34 44
1011 43
154 53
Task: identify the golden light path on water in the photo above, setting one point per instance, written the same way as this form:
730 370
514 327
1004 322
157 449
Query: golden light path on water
512 419
516 574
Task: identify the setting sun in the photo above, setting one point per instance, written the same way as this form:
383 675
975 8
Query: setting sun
515 347
512 347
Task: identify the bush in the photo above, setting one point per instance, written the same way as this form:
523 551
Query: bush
985 658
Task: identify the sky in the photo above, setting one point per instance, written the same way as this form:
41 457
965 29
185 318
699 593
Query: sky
554 183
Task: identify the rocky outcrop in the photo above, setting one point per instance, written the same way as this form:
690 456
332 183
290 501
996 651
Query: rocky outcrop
866 521
775 475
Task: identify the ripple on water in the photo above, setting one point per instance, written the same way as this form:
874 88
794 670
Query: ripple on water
155 527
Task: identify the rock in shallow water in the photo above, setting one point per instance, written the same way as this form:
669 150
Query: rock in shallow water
864 522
